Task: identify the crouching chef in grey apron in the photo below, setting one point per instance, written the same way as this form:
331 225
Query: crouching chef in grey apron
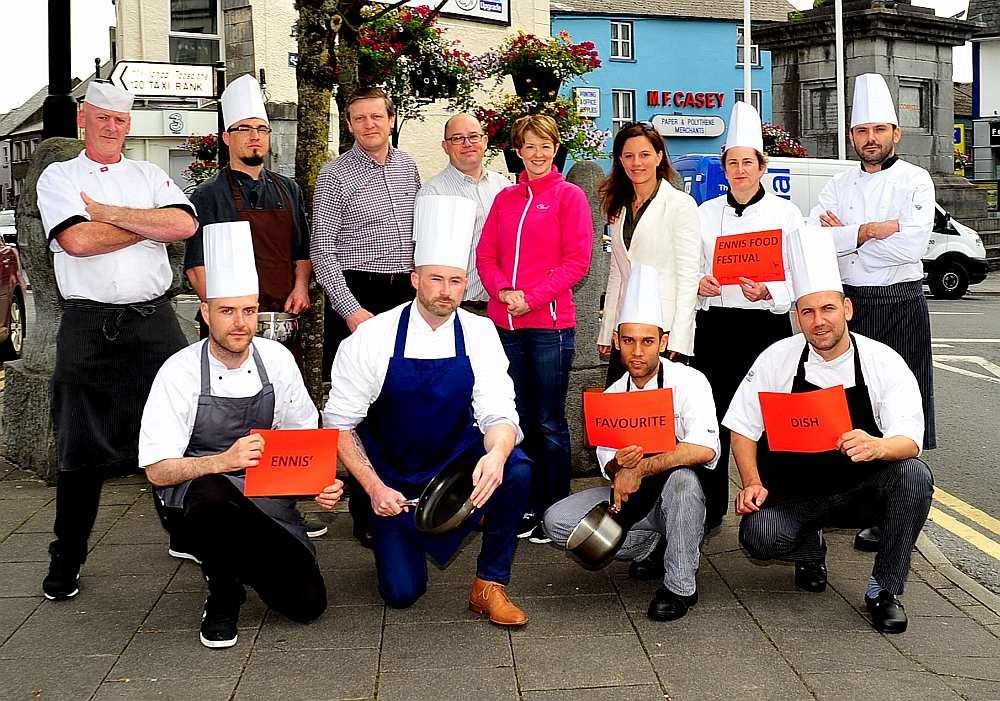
194 445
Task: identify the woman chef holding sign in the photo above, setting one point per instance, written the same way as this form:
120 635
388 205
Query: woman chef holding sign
747 310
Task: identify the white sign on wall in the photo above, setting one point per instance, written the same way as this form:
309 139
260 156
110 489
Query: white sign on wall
672 125
489 10
588 102
164 79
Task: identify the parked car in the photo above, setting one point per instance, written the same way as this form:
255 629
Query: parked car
13 318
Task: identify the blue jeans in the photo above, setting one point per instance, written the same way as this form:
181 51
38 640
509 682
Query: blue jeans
540 361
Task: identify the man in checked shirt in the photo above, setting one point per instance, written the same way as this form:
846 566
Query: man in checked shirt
362 238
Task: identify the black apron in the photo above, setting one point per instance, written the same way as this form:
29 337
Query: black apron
219 423
790 476
107 356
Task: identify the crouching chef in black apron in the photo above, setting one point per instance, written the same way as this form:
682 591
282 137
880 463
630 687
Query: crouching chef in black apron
874 476
195 446
417 388
109 220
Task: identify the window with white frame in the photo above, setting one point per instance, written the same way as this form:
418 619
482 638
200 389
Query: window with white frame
754 50
622 108
755 98
195 35
621 41
6 156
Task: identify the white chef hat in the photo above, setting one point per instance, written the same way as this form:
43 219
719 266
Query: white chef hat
872 101
443 226
642 303
103 94
812 260
242 99
744 128
230 269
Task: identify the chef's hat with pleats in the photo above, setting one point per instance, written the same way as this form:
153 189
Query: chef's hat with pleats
230 269
443 226
872 101
812 260
242 99
642 303
744 128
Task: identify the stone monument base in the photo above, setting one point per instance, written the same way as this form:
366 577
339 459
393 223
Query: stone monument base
959 197
584 460
31 442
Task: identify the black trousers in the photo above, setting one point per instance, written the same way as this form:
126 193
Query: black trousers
78 494
896 497
241 545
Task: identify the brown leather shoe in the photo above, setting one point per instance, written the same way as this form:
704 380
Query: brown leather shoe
491 598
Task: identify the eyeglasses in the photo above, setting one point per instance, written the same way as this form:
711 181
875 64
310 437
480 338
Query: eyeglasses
246 129
466 139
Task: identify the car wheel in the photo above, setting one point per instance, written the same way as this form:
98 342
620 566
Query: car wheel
12 347
949 280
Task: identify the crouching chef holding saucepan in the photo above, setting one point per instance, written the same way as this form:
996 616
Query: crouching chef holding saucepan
194 446
415 390
796 481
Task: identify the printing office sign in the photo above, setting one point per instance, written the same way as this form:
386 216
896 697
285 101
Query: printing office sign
673 125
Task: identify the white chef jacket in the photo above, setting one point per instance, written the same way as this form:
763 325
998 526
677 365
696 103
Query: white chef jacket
695 421
363 360
891 385
719 219
136 273
902 191
168 418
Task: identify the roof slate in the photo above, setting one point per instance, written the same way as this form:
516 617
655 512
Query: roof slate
762 10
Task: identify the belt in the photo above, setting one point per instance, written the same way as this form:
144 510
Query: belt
376 277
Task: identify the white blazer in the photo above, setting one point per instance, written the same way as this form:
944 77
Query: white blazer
667 237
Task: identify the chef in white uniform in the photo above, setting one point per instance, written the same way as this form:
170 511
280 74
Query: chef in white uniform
109 220
418 389
663 490
736 322
873 476
194 446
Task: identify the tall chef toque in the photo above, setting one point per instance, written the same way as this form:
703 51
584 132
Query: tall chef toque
242 99
443 226
230 270
872 101
642 303
103 94
744 128
812 259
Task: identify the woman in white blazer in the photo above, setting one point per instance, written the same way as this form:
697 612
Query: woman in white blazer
652 223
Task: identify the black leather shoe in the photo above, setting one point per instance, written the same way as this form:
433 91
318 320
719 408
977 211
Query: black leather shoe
811 576
667 606
888 615
365 537
868 539
651 566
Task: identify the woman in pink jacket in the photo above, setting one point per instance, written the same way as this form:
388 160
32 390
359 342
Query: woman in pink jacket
535 246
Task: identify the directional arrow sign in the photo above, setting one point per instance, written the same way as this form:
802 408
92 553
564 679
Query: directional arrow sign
164 79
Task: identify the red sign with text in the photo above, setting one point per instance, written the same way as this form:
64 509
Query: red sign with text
294 462
756 256
682 98
805 422
620 419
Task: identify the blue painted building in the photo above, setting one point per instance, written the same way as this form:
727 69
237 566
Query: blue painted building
675 63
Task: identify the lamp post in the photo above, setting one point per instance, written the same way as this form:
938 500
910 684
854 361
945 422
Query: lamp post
59 108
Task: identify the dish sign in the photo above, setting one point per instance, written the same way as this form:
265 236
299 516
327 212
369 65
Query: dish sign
620 419
294 462
672 125
756 256
805 422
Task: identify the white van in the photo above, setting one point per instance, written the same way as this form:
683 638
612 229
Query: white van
955 256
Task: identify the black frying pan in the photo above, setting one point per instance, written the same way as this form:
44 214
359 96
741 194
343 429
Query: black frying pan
444 504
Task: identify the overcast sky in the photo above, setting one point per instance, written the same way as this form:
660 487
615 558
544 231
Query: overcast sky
23 52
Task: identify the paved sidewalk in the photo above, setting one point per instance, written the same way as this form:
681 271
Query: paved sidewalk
132 631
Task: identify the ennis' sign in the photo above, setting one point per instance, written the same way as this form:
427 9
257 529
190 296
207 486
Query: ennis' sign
697 100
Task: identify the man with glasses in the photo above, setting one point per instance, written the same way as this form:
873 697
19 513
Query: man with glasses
465 176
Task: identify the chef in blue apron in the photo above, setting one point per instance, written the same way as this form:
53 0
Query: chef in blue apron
416 389
874 475
195 447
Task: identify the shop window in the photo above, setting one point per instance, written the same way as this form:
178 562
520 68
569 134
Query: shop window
621 41
622 108
194 31
6 156
913 108
755 98
820 108
754 50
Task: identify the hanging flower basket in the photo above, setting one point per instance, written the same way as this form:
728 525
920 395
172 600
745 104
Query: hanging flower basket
543 83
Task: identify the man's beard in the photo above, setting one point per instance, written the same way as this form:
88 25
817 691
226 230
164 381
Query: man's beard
831 340
441 307
883 153
252 161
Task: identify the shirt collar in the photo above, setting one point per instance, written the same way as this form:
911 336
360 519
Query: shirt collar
817 359
541 184
740 208
216 366
420 324
456 172
886 165
362 156
103 167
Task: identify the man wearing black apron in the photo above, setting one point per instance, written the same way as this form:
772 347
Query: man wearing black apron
873 475
109 220
417 389
671 492
194 446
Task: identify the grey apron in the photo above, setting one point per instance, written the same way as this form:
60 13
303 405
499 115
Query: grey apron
219 423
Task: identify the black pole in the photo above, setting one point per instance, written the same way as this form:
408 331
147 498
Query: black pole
59 109
97 69
220 86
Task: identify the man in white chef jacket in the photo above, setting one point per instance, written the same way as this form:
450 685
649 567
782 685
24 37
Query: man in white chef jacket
418 389
195 445
873 475
109 220
666 542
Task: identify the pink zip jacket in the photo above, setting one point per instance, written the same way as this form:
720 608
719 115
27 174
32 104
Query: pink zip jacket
537 238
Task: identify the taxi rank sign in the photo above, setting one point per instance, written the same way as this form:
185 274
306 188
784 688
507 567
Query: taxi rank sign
148 79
